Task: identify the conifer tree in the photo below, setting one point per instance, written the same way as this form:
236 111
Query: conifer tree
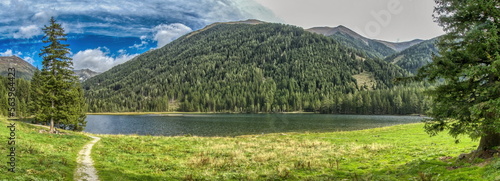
58 95
468 100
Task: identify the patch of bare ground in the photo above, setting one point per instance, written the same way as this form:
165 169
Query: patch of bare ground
86 169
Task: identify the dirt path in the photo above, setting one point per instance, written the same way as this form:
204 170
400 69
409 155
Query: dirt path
85 169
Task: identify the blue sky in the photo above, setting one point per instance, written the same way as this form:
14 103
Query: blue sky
105 33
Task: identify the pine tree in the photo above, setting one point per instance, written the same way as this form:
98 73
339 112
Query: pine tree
58 95
468 101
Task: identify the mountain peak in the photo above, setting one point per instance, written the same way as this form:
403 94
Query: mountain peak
400 46
85 74
248 21
329 31
23 69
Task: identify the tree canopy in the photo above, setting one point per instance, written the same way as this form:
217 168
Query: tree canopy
467 101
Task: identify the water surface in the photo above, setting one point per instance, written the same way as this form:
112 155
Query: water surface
236 124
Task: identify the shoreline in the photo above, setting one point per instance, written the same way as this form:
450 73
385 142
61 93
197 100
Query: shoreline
294 112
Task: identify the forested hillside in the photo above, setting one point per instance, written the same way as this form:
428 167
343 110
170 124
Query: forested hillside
240 68
349 38
415 57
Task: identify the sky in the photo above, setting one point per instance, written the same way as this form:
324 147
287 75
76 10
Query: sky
390 20
105 33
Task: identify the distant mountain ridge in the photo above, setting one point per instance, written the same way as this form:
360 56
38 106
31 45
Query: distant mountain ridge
376 47
349 38
400 46
85 74
410 55
416 56
328 31
23 69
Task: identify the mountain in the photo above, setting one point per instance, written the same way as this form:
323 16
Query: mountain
413 58
85 74
398 47
373 48
328 31
349 38
23 69
239 67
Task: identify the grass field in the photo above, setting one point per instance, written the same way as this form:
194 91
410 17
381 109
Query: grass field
403 152
39 156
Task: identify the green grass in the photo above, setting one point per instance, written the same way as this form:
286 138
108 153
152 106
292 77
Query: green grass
402 152
39 156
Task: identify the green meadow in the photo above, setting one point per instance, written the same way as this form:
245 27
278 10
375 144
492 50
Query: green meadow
403 152
39 155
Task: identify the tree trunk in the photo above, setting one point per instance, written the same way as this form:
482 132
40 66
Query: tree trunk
489 141
486 148
52 129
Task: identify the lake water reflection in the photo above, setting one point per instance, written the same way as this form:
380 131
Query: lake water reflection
236 124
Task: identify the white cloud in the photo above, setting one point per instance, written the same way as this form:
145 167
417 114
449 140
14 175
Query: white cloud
42 16
7 53
141 45
98 59
29 60
28 31
165 34
126 17
10 52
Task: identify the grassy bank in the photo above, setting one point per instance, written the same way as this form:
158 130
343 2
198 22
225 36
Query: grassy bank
402 152
39 156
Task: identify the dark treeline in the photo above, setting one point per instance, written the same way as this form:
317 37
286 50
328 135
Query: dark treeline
22 97
398 100
249 68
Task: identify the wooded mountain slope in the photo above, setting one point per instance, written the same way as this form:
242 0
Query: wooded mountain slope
415 57
349 38
240 68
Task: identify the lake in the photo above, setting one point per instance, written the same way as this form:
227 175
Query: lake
236 124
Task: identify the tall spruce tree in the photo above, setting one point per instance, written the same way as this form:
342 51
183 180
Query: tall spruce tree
58 95
467 102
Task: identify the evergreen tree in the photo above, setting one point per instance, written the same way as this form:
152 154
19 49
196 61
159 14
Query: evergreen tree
468 100
59 96
36 83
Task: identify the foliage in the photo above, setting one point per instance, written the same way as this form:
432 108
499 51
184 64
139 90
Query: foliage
468 101
238 68
401 152
58 95
400 100
413 58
